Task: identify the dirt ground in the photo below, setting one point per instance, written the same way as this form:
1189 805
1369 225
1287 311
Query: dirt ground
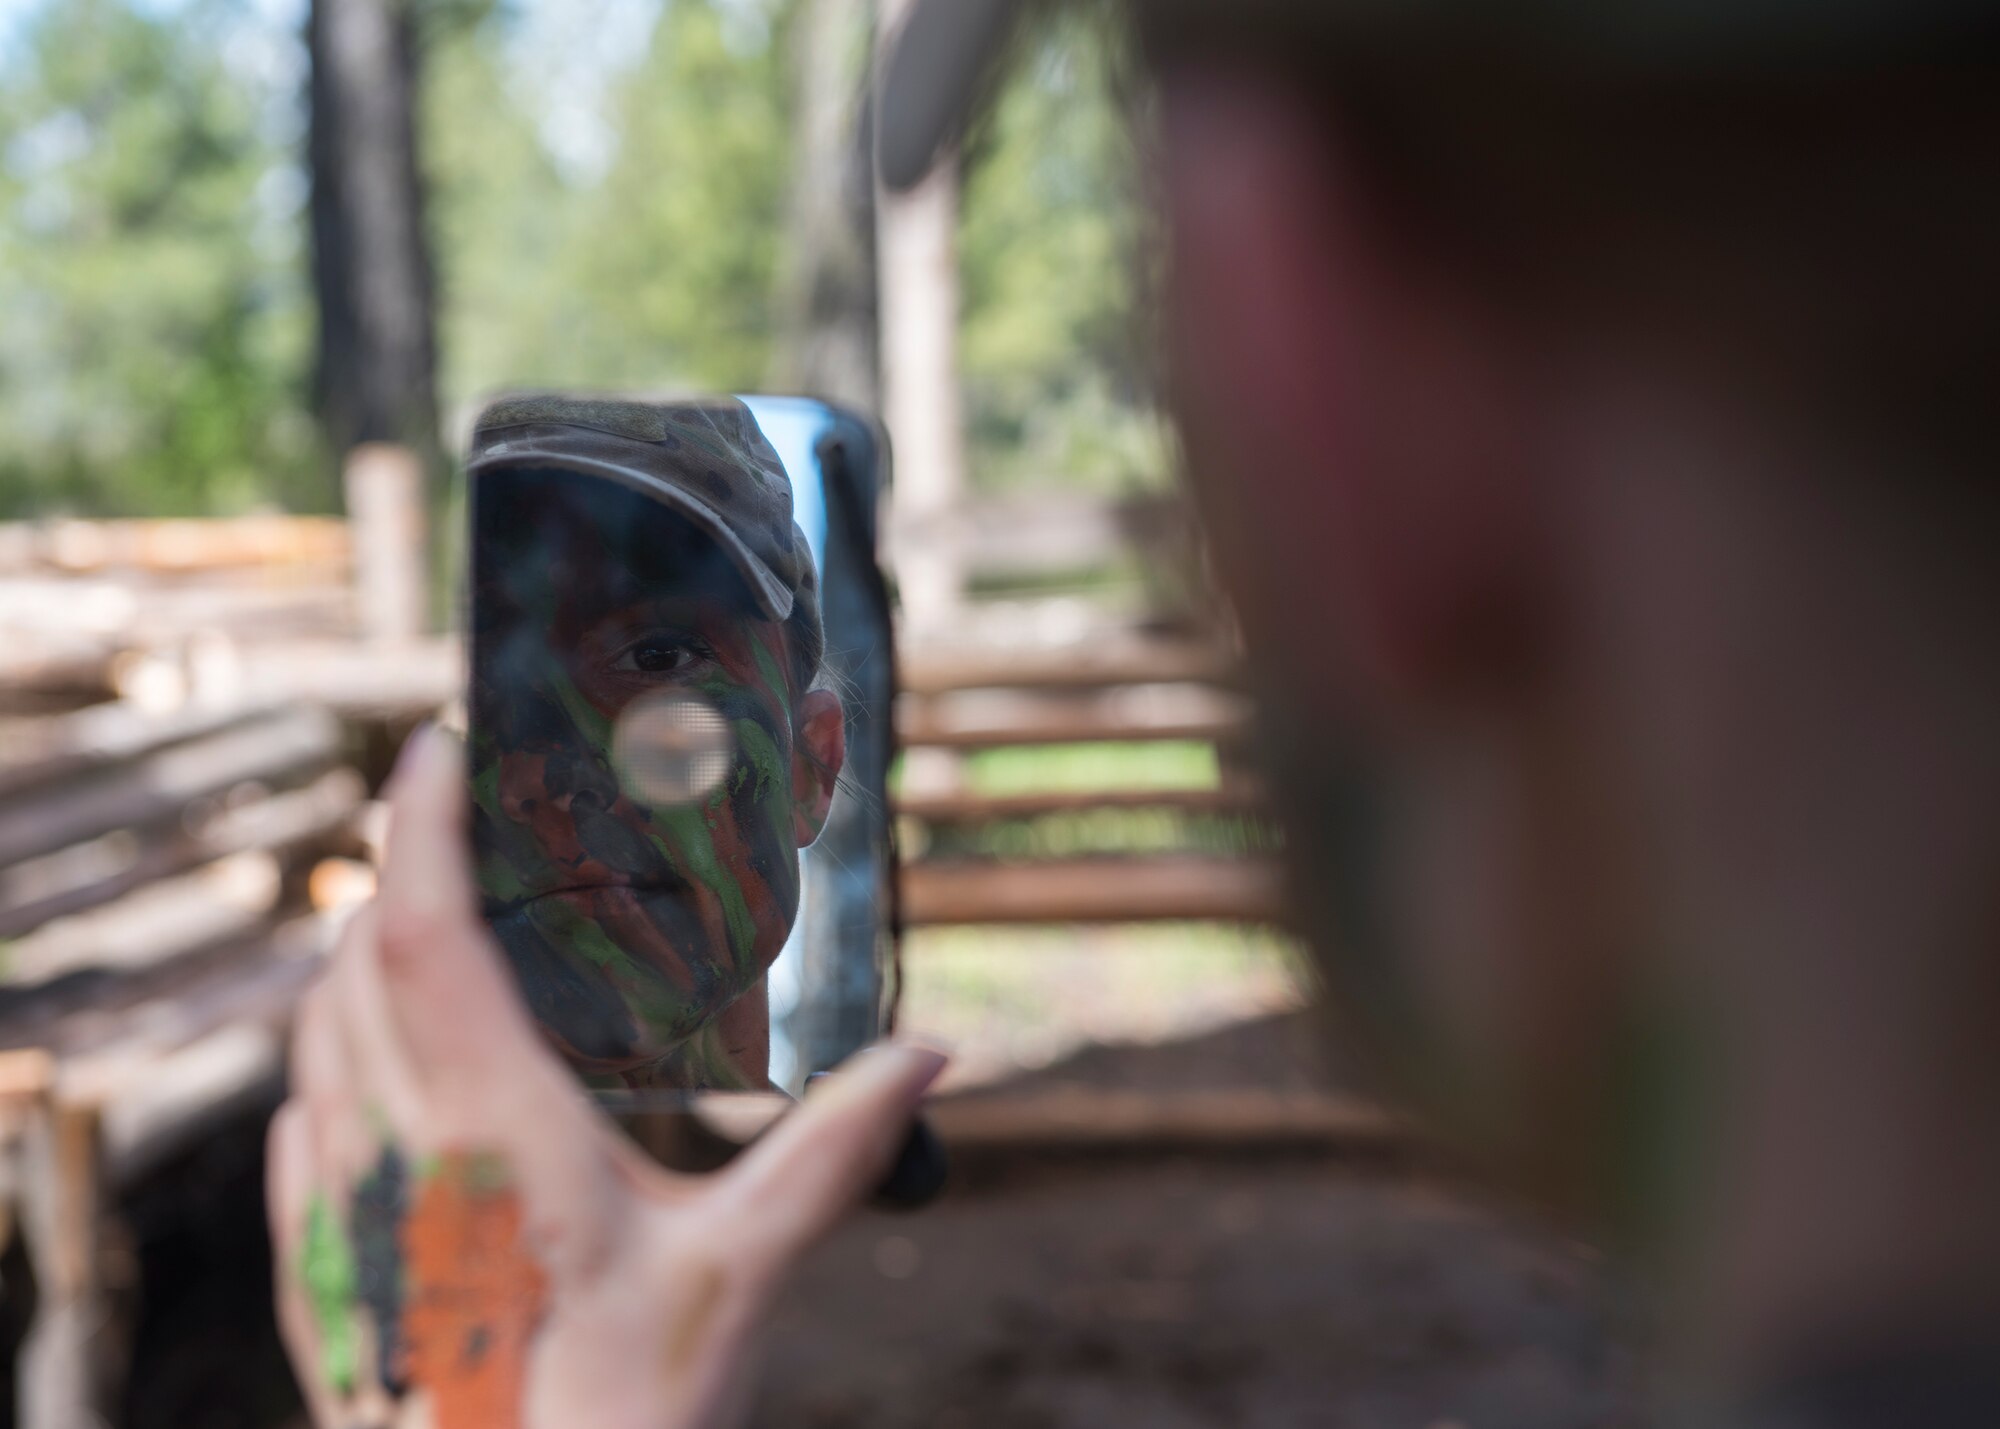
1186 1291
1241 1294
1057 1291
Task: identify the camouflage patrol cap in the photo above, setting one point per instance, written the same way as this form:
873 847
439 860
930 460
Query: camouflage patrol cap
705 459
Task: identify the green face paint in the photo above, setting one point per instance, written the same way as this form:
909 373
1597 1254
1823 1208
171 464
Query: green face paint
326 1270
633 927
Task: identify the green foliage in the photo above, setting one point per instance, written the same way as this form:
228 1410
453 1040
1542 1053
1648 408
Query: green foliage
153 311
1054 255
497 212
678 248
1035 768
659 273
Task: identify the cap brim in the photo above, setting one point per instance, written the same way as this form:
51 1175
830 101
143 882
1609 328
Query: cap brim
772 595
939 68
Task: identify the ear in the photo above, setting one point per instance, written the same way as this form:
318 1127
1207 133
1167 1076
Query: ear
819 748
1352 412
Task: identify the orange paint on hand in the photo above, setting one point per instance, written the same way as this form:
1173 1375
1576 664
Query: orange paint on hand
474 1296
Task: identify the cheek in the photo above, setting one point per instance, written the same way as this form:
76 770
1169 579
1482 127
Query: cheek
1509 891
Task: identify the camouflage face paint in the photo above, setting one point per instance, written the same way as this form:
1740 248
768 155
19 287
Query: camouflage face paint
474 1295
632 927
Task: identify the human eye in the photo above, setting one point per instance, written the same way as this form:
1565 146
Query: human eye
662 653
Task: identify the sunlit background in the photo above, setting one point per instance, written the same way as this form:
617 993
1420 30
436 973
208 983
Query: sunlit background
606 191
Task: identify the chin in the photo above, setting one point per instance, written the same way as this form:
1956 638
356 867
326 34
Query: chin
604 1018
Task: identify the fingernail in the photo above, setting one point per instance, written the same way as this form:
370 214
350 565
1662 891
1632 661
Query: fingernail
412 753
911 1063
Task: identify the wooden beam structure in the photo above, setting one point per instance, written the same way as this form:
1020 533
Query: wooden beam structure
985 719
1240 796
1154 888
1075 664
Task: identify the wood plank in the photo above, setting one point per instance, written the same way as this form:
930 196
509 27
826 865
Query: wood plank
234 1073
284 825
1078 1117
273 747
39 673
1048 532
174 545
1238 797
979 719
1069 1116
55 749
110 1052
1094 663
1163 888
403 681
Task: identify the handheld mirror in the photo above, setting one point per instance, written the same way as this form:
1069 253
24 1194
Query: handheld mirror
678 734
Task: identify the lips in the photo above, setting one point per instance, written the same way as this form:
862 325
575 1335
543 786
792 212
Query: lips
646 889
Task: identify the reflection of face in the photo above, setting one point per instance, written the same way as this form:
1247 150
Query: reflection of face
632 927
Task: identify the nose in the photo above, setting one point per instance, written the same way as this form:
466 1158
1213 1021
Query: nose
526 789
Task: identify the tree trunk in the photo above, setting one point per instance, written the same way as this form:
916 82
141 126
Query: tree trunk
917 236
826 298
371 268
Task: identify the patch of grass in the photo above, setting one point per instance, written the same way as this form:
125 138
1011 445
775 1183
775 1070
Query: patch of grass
1161 764
1084 832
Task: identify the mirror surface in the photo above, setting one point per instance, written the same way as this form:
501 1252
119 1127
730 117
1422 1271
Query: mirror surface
659 739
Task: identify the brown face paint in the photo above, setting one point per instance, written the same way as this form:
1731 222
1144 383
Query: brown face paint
474 1296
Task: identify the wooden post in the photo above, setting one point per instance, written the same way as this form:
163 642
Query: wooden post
67 1375
385 504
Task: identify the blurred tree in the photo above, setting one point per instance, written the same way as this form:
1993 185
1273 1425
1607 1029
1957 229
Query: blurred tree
826 298
153 314
156 317
375 378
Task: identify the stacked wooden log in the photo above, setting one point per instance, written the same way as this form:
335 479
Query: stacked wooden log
1106 686
152 871
159 822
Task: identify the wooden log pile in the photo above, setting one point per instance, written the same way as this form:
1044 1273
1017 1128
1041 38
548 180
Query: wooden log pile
182 706
151 888
92 610
1108 685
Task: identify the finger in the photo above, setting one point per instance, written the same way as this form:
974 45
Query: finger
821 1158
453 1004
486 1079
288 1188
384 1082
287 1182
316 1060
342 1141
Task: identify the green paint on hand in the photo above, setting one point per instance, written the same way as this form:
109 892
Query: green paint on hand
326 1269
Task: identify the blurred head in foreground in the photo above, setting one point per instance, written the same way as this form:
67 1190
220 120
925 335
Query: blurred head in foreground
648 754
1590 410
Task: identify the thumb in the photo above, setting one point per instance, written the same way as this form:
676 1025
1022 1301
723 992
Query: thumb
456 1008
810 1169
